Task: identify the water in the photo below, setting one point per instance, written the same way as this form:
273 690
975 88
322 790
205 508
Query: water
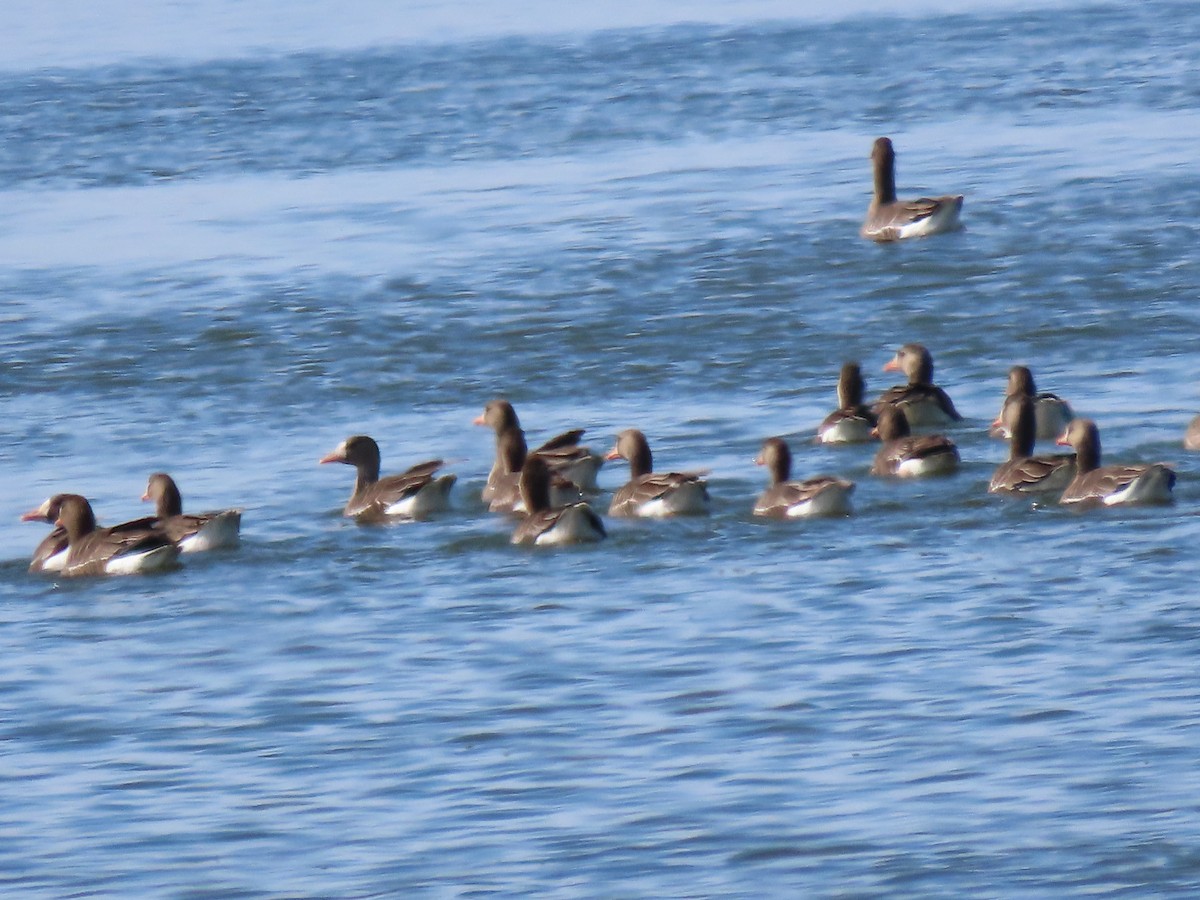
227 246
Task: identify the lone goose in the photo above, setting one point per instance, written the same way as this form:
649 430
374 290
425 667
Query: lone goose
654 494
889 219
851 422
544 525
1051 412
1023 472
193 532
823 495
923 402
411 494
907 456
1110 485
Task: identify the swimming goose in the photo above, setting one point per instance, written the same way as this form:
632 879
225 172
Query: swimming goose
654 494
851 422
1110 485
563 454
193 532
889 219
1023 472
411 494
823 495
50 555
127 549
544 525
923 402
503 489
1051 412
907 456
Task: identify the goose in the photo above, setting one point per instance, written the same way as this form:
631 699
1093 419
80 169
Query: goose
506 490
889 219
908 456
823 495
1023 472
1051 412
124 550
654 494
568 461
544 525
194 532
1094 484
50 555
923 402
851 422
412 494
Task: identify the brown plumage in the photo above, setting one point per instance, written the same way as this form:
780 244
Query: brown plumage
650 493
923 402
50 555
1094 484
822 495
192 531
909 456
852 421
1024 472
545 524
411 494
889 219
92 550
1051 412
567 459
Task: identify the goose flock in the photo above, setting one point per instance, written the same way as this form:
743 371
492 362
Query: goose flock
547 490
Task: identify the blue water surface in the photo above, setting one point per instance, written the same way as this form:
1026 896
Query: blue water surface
223 264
